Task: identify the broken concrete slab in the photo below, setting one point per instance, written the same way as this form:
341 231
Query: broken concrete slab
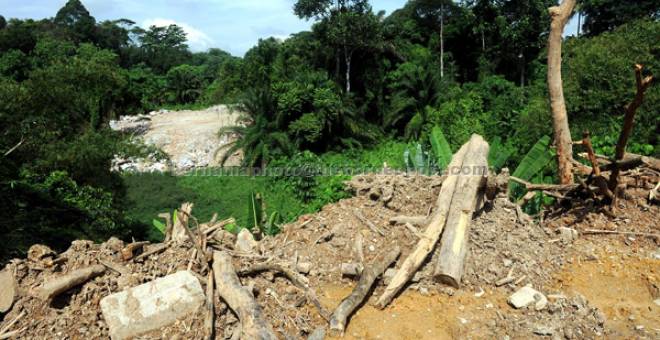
152 305
568 235
526 296
7 290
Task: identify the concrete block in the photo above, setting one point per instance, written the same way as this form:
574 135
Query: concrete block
152 305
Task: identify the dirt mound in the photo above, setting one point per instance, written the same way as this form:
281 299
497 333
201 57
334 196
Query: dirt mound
508 251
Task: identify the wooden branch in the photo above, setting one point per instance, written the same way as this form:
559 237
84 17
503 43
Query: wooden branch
599 180
454 243
419 221
4 332
628 122
614 232
52 288
368 223
295 278
209 317
15 147
159 248
353 301
127 252
240 300
549 187
432 234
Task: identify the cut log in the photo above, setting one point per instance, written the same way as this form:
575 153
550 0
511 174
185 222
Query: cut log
240 299
454 243
369 276
61 284
7 289
432 234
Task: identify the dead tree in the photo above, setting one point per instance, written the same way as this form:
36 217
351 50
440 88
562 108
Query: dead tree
562 133
642 85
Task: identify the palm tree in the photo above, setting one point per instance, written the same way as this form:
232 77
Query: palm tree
258 134
418 89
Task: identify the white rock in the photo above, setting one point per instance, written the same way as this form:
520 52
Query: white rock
388 275
152 305
245 241
568 234
526 296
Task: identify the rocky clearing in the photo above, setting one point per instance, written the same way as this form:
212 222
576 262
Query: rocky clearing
189 138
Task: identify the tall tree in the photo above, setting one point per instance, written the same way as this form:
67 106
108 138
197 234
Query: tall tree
164 47
560 15
76 18
605 15
348 25
3 22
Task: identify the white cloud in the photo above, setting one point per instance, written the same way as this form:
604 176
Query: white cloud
197 40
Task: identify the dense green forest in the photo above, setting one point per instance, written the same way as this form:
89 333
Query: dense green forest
358 81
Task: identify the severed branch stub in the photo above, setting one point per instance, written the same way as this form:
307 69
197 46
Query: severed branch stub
353 301
240 300
53 288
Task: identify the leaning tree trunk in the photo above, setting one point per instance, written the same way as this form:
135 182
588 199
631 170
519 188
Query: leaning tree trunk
559 15
442 41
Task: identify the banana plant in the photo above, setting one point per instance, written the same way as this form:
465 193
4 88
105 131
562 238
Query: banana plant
539 157
441 148
499 154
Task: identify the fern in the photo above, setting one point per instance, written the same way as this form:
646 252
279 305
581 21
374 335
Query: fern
441 148
499 154
534 162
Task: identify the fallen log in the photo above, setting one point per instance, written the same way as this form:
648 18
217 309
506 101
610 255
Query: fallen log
369 276
432 234
240 300
454 243
53 288
157 249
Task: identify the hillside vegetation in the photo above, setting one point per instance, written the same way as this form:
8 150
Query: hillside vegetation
359 88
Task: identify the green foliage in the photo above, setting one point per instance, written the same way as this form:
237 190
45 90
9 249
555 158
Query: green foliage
499 154
441 148
600 81
538 158
184 83
605 15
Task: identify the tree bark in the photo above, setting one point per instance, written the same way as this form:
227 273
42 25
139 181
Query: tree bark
240 300
562 133
353 301
349 60
437 223
454 243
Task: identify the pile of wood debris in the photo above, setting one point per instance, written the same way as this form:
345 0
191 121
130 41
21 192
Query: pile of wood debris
399 233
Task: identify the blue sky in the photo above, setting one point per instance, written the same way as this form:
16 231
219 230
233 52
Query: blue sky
232 25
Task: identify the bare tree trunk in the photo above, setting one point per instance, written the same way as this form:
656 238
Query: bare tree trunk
562 133
442 41
628 121
349 59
